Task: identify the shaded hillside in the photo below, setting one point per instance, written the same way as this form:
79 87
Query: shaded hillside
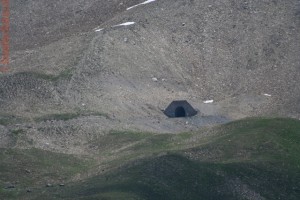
248 159
255 159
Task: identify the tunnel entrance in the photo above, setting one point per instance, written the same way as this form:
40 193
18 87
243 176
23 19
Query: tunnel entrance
180 112
179 108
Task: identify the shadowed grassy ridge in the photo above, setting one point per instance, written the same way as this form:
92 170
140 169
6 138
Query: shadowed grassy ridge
166 177
249 159
33 168
175 177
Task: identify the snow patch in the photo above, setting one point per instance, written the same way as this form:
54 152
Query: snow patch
154 79
268 95
99 30
208 101
145 2
125 24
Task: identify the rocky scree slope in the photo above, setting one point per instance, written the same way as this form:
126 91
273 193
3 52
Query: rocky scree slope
230 51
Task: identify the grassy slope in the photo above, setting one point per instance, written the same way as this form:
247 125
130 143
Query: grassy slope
33 168
9 119
248 159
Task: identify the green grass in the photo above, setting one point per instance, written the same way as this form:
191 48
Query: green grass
147 142
32 168
60 116
68 116
17 132
173 177
66 74
260 155
16 161
245 159
10 119
119 147
261 140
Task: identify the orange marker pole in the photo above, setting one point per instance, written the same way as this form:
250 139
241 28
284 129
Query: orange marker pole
4 62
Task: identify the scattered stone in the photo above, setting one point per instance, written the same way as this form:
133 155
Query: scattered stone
10 186
27 171
125 39
61 185
49 185
29 190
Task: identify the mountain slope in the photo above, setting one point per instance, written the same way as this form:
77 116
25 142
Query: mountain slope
230 167
248 159
231 52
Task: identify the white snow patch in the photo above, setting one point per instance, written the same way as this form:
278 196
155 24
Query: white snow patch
145 2
154 79
268 95
99 30
208 101
125 24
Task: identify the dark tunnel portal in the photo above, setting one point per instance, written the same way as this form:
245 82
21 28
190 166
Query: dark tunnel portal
180 112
